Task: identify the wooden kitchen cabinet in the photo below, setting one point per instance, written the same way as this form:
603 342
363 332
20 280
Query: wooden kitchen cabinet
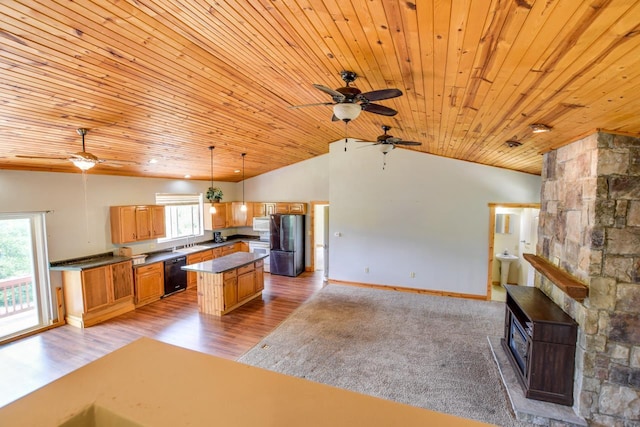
149 283
232 248
192 276
291 208
136 223
230 289
259 276
217 220
263 208
246 281
97 294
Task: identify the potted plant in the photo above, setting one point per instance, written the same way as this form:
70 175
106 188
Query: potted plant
214 194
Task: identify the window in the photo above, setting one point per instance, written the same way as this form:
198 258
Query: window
183 215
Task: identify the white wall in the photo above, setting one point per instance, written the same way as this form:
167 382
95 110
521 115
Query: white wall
424 214
72 230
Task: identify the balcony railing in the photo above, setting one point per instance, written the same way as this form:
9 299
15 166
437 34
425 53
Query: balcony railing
16 295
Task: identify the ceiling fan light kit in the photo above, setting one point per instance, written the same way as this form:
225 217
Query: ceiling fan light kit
82 164
347 112
348 101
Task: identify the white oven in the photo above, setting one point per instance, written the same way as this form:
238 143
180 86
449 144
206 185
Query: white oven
261 223
261 247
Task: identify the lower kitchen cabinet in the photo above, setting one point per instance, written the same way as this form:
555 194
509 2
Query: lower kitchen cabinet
97 294
233 248
220 293
192 276
230 289
149 283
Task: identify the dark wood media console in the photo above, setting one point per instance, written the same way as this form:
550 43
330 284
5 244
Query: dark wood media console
540 342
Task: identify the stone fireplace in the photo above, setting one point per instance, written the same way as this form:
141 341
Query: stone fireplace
590 228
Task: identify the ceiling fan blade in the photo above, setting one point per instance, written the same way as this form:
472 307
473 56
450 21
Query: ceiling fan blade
369 144
379 109
408 143
43 157
311 105
378 95
328 90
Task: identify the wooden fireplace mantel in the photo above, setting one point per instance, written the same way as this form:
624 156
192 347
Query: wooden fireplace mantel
569 285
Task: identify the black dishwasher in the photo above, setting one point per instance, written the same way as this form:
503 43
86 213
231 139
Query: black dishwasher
175 278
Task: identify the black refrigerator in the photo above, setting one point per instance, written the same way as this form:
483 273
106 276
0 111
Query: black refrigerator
287 245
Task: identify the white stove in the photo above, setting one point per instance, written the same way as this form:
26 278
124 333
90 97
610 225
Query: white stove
261 246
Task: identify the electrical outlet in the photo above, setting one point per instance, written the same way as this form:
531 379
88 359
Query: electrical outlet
366 269
412 275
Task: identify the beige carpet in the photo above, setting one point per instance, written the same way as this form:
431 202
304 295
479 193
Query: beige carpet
426 351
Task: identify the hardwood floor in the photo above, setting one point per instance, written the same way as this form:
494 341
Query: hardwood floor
35 361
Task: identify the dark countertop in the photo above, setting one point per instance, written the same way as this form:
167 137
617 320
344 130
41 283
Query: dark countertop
99 260
84 263
225 263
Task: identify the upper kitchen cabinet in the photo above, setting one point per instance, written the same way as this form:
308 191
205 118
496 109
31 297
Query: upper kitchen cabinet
236 217
217 220
291 208
263 208
136 223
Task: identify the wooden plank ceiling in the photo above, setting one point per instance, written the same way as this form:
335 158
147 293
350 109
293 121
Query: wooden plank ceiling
166 79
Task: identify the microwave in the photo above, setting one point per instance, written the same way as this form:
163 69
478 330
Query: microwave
261 223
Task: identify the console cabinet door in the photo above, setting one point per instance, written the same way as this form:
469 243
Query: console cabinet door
96 288
122 280
230 289
259 276
149 283
246 281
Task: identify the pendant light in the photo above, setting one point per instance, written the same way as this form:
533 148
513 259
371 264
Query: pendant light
243 208
212 208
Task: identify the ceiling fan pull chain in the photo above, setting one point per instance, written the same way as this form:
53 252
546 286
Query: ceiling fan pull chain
346 133
384 160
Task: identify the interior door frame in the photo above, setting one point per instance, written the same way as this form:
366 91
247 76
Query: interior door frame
312 234
492 226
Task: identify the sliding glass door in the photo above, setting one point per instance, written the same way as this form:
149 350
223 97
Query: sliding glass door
25 300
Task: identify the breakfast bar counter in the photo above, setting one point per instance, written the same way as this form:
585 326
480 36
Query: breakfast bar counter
228 282
133 387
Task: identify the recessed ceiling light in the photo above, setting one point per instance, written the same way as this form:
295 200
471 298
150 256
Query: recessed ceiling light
236 171
512 143
539 128
187 176
152 161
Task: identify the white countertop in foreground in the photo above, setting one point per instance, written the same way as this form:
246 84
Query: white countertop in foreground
156 384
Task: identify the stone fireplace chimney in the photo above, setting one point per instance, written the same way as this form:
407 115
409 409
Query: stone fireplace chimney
590 228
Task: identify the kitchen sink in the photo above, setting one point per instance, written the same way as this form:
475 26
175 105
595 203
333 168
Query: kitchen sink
190 249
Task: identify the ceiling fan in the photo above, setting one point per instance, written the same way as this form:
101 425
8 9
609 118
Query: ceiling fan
82 159
389 142
349 101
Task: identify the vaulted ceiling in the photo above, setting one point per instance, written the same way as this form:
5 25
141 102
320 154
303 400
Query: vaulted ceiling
166 79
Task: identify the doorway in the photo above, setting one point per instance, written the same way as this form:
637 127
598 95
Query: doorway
513 227
319 232
25 300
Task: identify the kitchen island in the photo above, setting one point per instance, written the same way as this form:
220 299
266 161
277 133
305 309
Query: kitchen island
228 282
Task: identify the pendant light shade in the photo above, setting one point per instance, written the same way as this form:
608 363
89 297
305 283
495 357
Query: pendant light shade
243 208
212 208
